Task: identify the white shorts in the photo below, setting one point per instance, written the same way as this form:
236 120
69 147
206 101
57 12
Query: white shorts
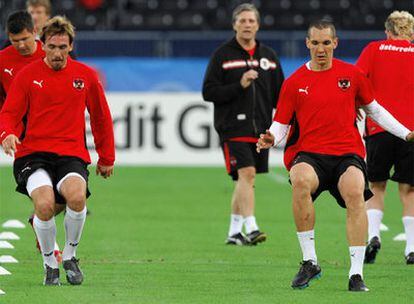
41 178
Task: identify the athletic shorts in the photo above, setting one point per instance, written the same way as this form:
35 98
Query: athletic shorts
384 151
239 155
56 166
329 169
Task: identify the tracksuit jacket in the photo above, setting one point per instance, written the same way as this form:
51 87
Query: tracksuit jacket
240 112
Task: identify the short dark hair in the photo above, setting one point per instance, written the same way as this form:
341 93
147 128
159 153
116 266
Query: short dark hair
322 24
19 21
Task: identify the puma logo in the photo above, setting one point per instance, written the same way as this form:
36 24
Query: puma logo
305 90
9 71
39 83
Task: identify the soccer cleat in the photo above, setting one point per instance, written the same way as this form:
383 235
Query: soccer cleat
410 258
356 283
372 249
307 272
73 273
51 276
237 239
256 237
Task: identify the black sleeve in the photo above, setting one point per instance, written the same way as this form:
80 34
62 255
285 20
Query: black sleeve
279 77
214 88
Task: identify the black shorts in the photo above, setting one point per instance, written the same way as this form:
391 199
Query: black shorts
384 151
239 155
329 169
56 166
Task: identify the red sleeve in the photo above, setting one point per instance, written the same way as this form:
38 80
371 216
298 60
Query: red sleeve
101 123
286 104
14 108
364 60
365 92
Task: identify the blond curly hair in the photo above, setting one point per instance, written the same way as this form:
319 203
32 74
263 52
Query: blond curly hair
401 24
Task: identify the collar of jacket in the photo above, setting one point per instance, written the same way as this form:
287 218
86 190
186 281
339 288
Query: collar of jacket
234 43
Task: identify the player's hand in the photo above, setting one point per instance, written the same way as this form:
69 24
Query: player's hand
410 136
10 143
248 78
265 141
104 171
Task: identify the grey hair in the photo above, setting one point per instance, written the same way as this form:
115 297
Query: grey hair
243 8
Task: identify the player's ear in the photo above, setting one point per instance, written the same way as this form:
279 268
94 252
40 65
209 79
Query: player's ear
335 42
71 47
308 43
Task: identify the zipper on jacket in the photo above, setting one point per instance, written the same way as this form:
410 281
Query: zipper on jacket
254 103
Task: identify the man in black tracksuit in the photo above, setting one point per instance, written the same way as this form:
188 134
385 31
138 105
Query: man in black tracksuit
243 81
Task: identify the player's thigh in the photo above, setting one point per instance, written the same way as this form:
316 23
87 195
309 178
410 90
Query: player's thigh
351 185
404 162
40 188
380 156
72 178
303 176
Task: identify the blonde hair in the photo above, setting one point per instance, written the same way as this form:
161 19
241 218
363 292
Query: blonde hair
45 3
58 25
400 23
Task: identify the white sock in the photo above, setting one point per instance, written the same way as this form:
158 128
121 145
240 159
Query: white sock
409 232
74 222
236 224
46 235
56 247
307 244
357 254
250 224
374 223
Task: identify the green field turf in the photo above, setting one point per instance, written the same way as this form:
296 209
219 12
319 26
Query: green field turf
156 235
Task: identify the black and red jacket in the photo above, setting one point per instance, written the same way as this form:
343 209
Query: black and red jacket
240 112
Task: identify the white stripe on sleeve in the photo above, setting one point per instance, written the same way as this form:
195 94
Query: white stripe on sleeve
279 131
382 117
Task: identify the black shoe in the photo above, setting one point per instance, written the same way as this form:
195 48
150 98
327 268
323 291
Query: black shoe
51 276
307 272
237 239
372 249
73 273
356 283
256 237
410 258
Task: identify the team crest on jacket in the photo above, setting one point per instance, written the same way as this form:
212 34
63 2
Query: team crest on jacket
78 84
344 83
264 64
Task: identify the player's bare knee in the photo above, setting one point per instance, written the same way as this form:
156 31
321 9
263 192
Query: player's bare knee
301 183
45 209
247 174
354 200
76 201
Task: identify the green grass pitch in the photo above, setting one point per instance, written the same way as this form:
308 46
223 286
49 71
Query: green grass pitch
156 235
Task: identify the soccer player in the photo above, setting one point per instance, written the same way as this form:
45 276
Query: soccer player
23 50
40 11
51 160
243 81
324 150
389 64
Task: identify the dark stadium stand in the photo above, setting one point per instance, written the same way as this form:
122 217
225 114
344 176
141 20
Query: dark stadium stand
216 15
